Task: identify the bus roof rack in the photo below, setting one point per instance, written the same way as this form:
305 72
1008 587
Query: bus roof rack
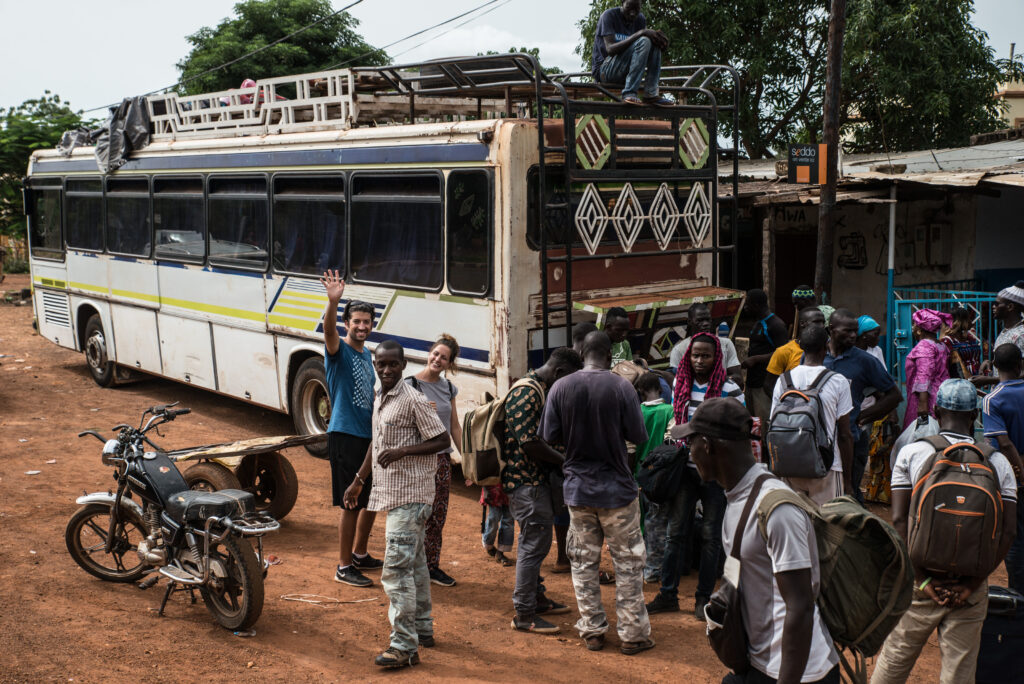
457 88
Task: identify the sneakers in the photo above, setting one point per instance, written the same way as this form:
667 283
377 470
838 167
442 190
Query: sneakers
504 561
367 562
698 611
534 624
426 640
662 604
605 577
561 568
549 607
393 659
351 576
653 579
594 643
441 578
634 647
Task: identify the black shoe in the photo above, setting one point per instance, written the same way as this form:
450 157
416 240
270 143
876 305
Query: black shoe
662 604
634 647
605 577
549 607
392 658
534 624
698 612
441 578
426 640
351 576
367 562
594 643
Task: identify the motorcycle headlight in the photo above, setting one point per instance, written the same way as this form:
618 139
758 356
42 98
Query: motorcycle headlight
110 449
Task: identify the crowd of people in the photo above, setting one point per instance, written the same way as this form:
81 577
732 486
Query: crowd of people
579 428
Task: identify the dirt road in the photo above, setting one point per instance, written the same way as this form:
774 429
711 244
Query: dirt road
59 624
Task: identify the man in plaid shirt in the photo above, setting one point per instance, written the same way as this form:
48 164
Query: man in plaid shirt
407 435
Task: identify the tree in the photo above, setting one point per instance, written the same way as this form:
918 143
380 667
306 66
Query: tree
33 125
777 46
260 22
917 75
534 52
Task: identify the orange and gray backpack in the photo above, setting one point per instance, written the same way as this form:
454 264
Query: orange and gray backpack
956 511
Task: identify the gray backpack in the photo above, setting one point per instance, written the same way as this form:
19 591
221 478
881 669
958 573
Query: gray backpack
797 439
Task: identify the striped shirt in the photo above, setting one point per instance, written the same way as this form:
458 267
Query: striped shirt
402 418
697 392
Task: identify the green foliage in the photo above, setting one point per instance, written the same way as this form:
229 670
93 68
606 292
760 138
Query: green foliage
13 265
777 46
535 52
1011 69
258 23
917 75
33 125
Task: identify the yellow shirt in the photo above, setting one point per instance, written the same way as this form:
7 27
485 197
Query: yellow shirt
786 357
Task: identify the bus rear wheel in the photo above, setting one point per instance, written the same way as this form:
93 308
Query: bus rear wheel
311 403
100 365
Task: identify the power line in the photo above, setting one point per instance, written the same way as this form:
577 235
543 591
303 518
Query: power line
452 29
413 35
246 55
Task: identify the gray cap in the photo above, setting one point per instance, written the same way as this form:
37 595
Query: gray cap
957 395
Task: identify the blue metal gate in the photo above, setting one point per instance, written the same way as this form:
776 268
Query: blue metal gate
942 296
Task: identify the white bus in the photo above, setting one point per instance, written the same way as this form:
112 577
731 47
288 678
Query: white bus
198 259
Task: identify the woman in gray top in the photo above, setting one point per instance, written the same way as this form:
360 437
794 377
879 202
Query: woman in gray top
440 391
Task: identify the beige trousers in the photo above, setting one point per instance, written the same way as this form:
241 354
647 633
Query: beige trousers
959 633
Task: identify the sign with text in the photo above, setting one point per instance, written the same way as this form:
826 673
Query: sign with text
807 163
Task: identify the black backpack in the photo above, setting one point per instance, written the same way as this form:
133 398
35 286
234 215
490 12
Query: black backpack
661 473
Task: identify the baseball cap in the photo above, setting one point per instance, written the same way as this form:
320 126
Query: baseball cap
957 395
720 418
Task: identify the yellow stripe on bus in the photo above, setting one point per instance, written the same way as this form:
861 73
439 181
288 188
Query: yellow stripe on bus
305 313
87 287
312 306
288 321
136 295
304 295
214 309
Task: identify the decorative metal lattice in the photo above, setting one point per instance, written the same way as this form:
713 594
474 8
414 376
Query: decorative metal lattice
628 217
593 141
694 143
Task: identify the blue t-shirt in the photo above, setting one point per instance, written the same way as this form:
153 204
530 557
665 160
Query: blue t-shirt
613 23
350 383
863 371
592 413
1004 413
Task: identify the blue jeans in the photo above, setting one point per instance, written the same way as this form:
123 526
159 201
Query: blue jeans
628 68
682 510
1015 556
654 536
498 529
405 577
531 507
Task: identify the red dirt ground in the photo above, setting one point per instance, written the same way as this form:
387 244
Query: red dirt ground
59 624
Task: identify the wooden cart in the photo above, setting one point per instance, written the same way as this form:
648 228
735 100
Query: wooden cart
256 465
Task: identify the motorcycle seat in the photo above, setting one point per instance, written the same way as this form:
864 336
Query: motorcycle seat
194 507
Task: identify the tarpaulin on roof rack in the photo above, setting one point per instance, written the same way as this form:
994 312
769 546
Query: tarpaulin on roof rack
125 131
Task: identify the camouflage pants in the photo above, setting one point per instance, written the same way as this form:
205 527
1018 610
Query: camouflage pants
589 529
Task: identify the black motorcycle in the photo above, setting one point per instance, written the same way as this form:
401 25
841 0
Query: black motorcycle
193 538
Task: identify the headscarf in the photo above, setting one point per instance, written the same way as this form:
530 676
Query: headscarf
866 324
931 320
684 378
1014 293
826 310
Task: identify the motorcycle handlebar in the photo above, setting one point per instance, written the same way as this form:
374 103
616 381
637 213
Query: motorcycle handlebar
94 433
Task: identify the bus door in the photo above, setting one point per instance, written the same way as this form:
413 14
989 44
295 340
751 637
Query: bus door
49 273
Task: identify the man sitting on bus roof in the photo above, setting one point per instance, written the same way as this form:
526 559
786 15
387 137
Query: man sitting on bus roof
624 48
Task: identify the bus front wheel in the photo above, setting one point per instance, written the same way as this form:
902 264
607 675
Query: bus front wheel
311 403
100 365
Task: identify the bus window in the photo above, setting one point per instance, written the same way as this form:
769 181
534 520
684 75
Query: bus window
469 231
238 221
128 229
44 223
83 203
396 230
309 224
179 219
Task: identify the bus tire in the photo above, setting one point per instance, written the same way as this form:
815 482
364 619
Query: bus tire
311 403
100 366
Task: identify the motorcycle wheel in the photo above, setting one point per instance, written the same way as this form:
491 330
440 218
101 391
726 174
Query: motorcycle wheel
86 537
272 480
236 598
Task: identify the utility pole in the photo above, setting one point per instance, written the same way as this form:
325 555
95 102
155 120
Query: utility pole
826 208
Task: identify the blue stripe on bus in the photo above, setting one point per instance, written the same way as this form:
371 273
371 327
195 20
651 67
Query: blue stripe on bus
277 294
468 353
231 271
130 260
401 154
170 264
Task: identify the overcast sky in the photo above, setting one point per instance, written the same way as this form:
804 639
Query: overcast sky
93 52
